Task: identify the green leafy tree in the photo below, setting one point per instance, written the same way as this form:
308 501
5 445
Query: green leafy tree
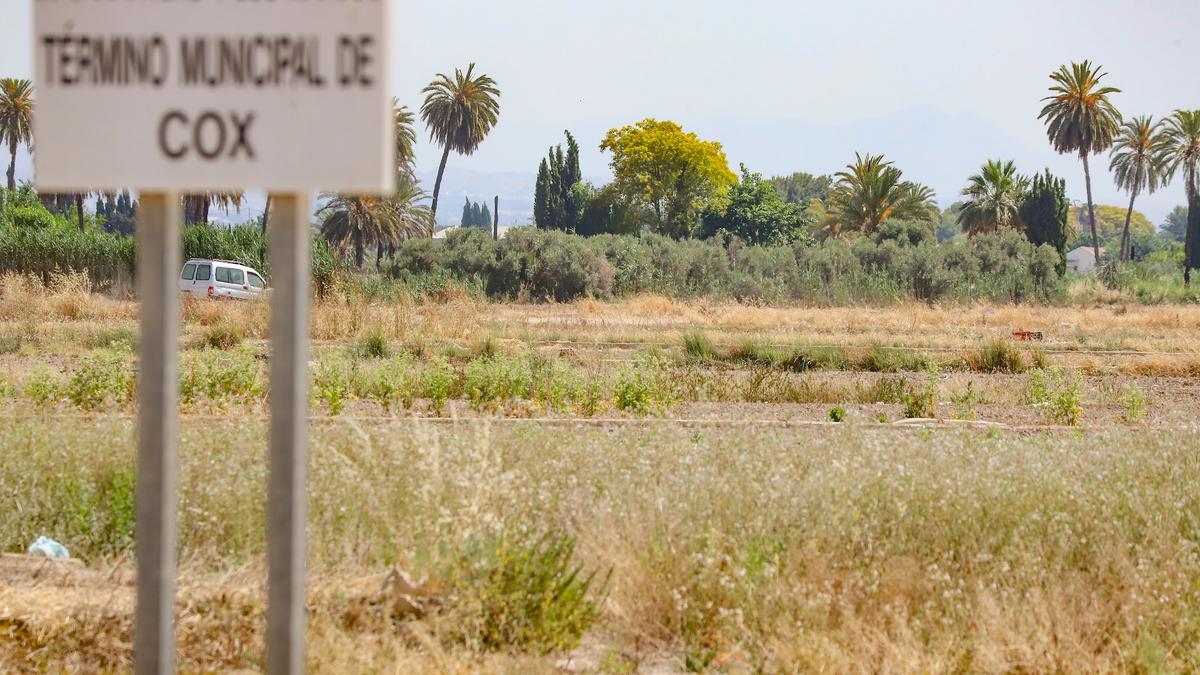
1175 225
1080 119
993 198
16 120
948 227
1140 160
872 191
1044 213
801 188
755 214
1110 222
675 174
459 113
1183 150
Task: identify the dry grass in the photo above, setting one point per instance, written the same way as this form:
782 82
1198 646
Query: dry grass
653 319
838 551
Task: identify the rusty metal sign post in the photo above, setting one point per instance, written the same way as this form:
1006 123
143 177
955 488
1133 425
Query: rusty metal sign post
168 97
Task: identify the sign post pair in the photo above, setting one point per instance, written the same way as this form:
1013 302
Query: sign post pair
206 96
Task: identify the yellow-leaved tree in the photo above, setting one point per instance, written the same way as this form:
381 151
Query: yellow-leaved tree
675 174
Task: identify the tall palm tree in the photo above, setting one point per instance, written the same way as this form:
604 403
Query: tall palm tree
196 207
1183 152
16 120
361 221
872 191
1079 118
459 113
994 197
1139 161
406 136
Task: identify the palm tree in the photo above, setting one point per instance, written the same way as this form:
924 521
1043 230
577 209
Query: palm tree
1080 118
196 207
870 192
994 197
1139 161
16 120
459 113
362 221
1183 152
406 136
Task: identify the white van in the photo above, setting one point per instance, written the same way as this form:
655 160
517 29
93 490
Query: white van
220 279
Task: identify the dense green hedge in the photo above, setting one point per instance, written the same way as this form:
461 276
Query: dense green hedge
901 261
109 258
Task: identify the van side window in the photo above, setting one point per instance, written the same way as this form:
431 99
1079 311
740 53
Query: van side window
202 272
189 271
237 277
255 280
223 275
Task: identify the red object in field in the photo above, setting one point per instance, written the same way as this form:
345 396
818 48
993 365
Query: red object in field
1028 335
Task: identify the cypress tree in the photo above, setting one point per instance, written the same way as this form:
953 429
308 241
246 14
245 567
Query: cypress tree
465 221
541 198
1044 212
555 204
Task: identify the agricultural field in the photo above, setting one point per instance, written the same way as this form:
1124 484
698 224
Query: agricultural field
641 485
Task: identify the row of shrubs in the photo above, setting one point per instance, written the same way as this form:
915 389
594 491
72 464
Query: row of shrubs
900 261
524 385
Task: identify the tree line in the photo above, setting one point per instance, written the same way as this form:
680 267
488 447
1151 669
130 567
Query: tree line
669 181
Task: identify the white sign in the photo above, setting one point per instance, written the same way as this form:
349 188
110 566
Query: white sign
281 95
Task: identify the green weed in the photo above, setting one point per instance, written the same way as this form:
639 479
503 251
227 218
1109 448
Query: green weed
753 353
333 384
1133 405
220 376
698 346
101 378
644 389
964 403
437 383
1058 393
43 386
373 345
997 356
921 400
492 380
523 593
224 335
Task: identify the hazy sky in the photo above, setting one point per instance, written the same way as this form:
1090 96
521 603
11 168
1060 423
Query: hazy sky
723 68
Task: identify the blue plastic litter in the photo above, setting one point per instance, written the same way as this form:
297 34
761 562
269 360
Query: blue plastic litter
45 546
